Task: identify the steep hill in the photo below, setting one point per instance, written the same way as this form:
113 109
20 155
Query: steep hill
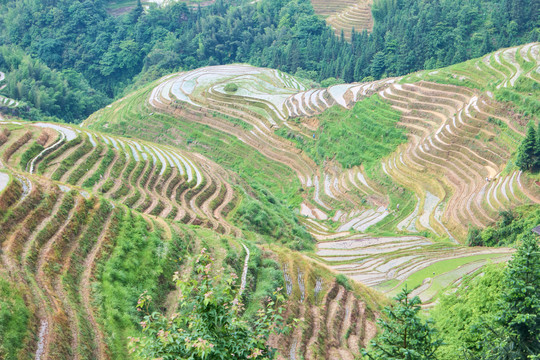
454 170
89 221
387 176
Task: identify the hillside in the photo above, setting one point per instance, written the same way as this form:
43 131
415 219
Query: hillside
89 221
452 171
346 15
287 183
67 66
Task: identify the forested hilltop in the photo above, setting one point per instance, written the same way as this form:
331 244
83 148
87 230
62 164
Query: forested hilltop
54 51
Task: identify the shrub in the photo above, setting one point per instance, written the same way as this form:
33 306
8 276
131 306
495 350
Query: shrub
343 281
231 88
208 323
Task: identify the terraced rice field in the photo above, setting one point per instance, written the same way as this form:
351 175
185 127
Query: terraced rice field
69 197
325 307
392 262
455 162
155 180
57 243
346 15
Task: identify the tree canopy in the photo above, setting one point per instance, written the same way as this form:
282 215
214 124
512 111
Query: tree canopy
404 334
111 53
208 322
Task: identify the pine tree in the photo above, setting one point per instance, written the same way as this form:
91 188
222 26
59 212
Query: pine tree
526 157
522 299
405 336
516 333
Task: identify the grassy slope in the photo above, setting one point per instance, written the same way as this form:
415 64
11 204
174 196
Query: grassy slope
15 318
360 136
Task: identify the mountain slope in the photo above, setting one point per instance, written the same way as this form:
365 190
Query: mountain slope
345 15
455 171
83 240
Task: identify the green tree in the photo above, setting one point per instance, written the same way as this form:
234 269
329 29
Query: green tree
405 336
526 156
516 332
459 315
537 147
208 323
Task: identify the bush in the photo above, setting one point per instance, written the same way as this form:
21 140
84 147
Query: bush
343 281
231 88
510 228
275 221
208 322
331 81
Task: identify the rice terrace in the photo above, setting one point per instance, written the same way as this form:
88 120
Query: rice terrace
164 162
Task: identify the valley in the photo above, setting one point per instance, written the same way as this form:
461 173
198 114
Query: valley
453 146
284 155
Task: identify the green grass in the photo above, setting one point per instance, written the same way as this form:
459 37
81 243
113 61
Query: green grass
85 166
14 321
29 154
387 285
524 96
439 268
70 161
134 266
362 135
57 153
96 176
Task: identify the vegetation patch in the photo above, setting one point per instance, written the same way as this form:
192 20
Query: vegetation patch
512 226
14 321
362 135
231 88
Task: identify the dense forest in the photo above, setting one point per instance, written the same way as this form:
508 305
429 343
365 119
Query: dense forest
79 38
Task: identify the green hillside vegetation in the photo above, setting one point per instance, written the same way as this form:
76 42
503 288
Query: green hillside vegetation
459 314
111 53
49 94
136 255
353 137
246 184
14 320
267 206
513 225
494 315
